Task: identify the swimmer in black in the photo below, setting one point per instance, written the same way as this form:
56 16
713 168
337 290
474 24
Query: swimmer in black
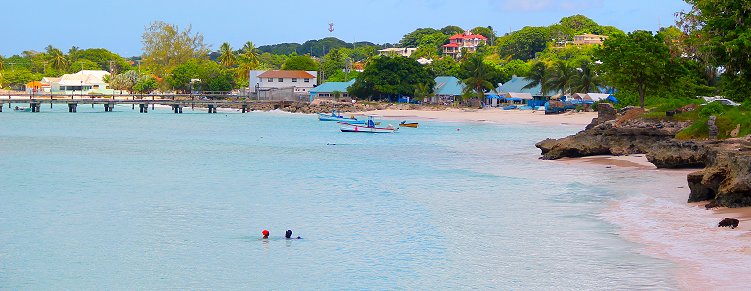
288 235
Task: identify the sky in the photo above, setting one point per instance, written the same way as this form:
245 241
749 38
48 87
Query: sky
118 25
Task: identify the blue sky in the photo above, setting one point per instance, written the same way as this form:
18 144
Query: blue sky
118 25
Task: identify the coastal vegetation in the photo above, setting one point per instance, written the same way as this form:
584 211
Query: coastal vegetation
704 54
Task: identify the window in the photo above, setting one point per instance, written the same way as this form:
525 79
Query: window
281 79
271 80
294 80
307 80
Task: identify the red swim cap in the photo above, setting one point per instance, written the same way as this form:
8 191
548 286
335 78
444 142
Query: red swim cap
265 232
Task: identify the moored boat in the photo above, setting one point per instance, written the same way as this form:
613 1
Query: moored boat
334 116
369 127
408 124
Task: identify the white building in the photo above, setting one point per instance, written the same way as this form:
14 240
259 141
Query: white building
85 82
301 81
398 51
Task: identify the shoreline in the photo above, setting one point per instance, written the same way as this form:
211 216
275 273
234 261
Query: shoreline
491 115
665 226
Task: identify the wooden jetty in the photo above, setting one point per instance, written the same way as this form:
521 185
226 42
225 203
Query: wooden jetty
176 101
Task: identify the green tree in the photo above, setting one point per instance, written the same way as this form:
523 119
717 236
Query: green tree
445 66
524 44
82 64
304 63
478 76
106 59
165 47
250 52
56 58
485 31
18 78
586 79
561 78
721 31
452 30
145 85
412 39
391 77
125 81
538 75
636 62
227 58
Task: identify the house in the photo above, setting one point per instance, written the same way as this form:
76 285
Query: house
298 81
83 82
446 89
398 51
329 90
589 38
466 40
517 84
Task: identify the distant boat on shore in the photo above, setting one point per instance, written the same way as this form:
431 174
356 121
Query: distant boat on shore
408 124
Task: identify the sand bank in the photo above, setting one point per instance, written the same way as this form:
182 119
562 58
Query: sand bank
657 216
494 115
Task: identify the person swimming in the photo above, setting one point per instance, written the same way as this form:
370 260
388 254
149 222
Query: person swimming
288 235
265 233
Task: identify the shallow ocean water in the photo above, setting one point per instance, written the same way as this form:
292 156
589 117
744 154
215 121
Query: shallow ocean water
123 200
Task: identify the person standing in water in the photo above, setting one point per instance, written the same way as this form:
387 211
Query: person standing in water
265 233
288 235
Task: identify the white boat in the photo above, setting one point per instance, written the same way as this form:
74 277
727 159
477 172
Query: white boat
369 127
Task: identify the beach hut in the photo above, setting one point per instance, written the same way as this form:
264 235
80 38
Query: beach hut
330 90
517 84
446 89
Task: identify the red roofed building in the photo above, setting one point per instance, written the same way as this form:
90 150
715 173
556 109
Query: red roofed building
466 40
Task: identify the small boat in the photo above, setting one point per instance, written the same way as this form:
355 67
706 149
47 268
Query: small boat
408 124
334 116
369 127
509 107
22 109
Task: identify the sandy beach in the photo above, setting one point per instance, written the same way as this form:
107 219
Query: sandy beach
493 115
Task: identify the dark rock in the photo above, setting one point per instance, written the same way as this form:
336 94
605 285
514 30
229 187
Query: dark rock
731 222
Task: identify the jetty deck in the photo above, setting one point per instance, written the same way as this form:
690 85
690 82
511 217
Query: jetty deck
176 101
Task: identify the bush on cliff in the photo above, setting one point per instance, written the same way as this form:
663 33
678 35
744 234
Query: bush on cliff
731 122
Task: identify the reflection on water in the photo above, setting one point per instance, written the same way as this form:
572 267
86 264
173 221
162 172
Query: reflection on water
158 200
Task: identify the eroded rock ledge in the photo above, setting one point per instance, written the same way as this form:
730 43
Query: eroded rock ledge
725 179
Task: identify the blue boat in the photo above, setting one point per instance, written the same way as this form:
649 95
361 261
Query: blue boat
334 116
509 107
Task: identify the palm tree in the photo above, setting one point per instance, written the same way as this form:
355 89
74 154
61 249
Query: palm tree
479 74
250 52
2 63
538 75
57 58
227 57
586 79
561 77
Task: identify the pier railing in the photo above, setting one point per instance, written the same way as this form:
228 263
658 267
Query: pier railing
209 100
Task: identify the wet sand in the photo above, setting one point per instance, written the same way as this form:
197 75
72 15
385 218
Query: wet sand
657 217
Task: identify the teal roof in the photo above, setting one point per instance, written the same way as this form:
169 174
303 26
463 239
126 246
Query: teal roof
330 87
448 86
516 85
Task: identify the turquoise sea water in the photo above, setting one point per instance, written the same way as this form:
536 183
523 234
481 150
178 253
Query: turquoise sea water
124 201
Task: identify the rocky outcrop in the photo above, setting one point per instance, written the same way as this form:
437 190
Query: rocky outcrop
612 138
726 180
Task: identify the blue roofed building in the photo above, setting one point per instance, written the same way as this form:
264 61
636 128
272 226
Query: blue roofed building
328 90
446 89
517 84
